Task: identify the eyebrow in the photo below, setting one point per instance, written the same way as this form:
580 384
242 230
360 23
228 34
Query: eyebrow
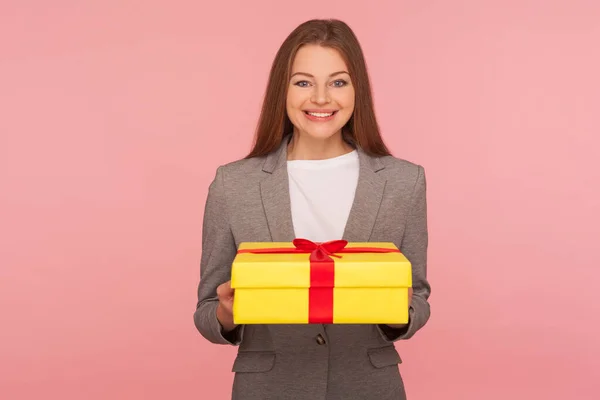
311 76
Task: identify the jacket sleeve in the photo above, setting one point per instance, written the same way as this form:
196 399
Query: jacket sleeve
414 246
218 252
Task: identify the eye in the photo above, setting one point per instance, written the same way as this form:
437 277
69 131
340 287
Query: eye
339 83
302 83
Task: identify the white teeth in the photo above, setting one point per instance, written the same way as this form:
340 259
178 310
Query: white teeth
320 115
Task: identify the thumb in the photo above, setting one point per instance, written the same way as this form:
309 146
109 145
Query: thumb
225 290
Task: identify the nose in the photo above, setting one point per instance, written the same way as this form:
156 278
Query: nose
320 95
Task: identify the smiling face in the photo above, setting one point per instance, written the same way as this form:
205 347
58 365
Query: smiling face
320 98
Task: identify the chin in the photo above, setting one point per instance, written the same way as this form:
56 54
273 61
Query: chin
321 135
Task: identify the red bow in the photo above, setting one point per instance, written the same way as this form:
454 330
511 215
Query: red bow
320 251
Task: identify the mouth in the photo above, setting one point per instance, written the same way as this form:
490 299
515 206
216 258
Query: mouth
323 115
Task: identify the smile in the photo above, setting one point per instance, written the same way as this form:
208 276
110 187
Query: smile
319 115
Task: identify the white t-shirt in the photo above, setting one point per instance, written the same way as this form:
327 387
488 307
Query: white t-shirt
322 193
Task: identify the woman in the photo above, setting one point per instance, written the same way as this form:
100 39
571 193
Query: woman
318 170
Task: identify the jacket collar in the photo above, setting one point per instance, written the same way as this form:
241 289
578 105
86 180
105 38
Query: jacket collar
274 189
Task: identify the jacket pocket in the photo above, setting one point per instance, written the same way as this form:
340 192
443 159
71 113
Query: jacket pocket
254 361
384 356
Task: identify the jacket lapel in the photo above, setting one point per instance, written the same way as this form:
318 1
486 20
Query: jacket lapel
367 200
275 195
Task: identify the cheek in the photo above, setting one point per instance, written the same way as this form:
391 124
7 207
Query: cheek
347 99
294 100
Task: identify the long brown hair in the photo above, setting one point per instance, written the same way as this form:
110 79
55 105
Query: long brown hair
362 129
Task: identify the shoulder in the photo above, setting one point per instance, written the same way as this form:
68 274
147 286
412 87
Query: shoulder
238 173
402 171
242 167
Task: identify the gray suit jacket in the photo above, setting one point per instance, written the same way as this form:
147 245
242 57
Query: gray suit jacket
249 201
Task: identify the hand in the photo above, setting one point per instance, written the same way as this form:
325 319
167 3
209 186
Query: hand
225 308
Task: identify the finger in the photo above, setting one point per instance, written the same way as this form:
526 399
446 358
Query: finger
228 289
220 290
224 287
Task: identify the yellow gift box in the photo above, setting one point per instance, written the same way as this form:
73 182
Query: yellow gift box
337 282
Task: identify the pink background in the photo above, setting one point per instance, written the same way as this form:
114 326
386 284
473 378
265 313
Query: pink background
114 117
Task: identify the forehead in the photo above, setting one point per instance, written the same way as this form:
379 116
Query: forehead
318 60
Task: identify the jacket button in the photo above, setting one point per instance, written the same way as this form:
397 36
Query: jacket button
320 339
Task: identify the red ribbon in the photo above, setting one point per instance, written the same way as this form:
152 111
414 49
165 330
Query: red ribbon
322 271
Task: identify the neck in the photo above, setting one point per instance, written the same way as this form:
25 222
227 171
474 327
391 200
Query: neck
304 147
